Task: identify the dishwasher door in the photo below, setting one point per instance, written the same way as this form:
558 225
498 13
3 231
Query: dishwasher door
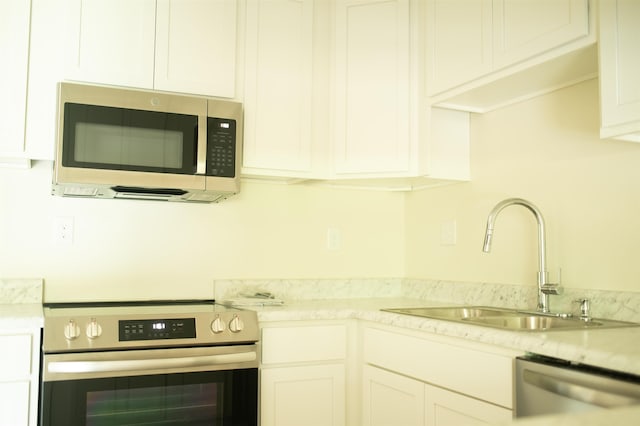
549 386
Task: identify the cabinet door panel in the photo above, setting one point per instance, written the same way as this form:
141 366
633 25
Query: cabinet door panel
525 28
14 48
279 85
310 396
390 399
111 42
620 67
196 47
15 363
14 404
46 69
458 42
445 408
372 110
304 343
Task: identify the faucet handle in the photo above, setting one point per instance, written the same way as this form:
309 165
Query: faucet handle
555 289
584 308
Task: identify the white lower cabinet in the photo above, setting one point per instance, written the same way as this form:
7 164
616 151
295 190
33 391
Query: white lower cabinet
413 378
303 374
19 377
446 408
330 373
307 395
391 399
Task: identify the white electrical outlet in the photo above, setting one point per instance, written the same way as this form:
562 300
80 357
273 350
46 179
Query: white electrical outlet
448 233
334 239
62 230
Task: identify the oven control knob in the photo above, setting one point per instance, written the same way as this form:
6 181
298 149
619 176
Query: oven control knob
93 329
217 325
236 325
71 330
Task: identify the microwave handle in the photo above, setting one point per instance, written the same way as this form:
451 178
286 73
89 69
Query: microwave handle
201 160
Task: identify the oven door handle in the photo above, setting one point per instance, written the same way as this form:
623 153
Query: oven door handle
79 367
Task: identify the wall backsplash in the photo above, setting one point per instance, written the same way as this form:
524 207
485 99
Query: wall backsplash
623 306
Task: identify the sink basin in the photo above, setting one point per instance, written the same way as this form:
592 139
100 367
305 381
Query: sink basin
508 319
455 312
536 322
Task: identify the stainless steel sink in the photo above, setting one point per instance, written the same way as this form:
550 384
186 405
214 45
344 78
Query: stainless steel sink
455 312
509 319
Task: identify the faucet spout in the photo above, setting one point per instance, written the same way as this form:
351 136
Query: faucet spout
544 287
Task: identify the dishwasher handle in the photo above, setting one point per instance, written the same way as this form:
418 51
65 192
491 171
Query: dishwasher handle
580 391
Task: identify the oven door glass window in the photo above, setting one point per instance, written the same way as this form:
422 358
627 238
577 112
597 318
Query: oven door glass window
206 398
100 137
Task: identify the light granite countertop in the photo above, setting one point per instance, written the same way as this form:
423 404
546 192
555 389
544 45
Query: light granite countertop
616 349
20 303
19 316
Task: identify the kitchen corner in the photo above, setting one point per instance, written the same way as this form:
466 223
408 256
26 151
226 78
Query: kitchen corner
350 310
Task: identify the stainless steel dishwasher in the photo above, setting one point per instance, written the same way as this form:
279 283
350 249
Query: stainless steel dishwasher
551 386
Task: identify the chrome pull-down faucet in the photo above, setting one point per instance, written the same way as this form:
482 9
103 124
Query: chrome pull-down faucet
544 287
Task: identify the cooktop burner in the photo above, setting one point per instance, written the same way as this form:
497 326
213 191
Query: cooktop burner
119 325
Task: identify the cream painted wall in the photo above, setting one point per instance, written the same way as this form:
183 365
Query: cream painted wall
548 151
141 249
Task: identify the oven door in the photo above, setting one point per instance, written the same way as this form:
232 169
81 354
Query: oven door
186 386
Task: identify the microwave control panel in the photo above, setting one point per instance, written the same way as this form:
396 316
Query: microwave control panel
221 146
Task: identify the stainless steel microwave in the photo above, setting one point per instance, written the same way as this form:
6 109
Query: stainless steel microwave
136 144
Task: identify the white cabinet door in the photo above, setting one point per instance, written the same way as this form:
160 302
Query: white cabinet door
311 395
196 46
372 108
445 408
391 399
14 403
279 88
111 42
181 46
14 48
19 377
463 27
46 69
619 69
526 28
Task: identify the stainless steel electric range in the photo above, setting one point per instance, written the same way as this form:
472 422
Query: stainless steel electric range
182 362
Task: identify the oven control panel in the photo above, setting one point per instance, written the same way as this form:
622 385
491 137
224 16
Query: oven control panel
119 327
152 329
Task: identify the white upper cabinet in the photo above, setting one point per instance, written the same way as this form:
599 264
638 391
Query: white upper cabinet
372 87
196 47
619 69
526 28
279 90
463 27
485 54
111 42
173 45
332 91
14 50
46 69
